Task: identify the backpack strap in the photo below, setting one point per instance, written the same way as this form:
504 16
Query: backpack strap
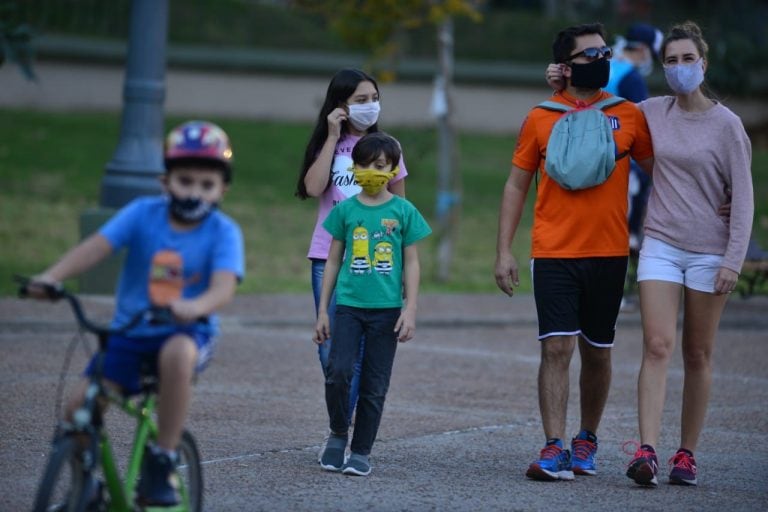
600 105
608 102
554 106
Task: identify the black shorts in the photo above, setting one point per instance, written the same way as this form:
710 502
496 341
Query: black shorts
579 296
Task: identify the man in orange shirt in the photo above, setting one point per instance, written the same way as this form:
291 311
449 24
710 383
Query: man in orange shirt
580 244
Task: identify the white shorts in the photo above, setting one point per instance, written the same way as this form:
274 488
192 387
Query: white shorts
660 261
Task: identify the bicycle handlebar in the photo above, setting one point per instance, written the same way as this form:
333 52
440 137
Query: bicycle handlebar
154 314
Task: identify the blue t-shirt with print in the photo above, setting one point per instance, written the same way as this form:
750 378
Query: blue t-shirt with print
162 263
374 238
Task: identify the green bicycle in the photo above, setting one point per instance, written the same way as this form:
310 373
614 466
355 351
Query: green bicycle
82 472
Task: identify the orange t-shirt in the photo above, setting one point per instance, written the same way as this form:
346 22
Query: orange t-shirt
590 222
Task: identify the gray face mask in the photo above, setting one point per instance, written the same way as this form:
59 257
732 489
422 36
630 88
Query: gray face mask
685 78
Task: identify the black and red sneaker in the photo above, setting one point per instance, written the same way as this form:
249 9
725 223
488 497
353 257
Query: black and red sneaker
644 466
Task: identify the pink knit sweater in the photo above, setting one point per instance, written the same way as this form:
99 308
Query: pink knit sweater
701 159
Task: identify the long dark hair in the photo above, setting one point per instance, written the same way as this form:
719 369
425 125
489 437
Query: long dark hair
342 86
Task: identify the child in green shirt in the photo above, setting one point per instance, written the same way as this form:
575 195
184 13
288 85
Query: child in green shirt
373 256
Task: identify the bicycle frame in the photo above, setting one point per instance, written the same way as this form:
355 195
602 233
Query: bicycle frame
122 490
88 431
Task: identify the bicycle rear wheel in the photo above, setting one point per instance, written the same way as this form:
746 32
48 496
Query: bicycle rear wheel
65 487
191 473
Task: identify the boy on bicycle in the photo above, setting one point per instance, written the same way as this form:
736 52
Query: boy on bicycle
181 253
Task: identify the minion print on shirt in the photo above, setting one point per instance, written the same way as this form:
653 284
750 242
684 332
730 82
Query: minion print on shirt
383 255
382 258
361 261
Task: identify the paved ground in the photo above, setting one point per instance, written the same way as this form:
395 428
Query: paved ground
460 426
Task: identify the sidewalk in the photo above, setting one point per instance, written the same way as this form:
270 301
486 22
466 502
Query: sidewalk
71 87
460 426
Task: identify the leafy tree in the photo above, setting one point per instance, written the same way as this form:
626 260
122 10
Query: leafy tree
375 26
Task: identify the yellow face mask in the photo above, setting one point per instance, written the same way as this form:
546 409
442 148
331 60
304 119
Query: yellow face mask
373 180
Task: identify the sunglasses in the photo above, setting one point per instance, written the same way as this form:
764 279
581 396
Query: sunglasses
594 53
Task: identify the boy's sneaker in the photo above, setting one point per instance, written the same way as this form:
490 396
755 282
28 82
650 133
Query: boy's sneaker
159 480
554 463
332 458
583 450
683 468
358 465
644 466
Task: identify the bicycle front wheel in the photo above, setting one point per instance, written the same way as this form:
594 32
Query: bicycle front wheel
65 485
191 473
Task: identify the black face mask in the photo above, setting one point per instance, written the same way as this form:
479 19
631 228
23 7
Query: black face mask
593 75
190 210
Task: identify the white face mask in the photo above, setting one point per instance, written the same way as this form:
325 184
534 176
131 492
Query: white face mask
364 115
685 78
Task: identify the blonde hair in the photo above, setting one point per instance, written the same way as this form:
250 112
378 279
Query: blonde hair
685 30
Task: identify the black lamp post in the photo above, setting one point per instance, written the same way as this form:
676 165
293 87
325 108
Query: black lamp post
138 158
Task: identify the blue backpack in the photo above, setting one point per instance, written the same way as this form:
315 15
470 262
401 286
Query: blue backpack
581 152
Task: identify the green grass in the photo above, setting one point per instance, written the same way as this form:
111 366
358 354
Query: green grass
52 165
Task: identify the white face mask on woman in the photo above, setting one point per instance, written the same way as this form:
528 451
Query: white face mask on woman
685 78
364 115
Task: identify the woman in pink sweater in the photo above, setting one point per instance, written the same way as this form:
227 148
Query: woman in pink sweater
702 160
